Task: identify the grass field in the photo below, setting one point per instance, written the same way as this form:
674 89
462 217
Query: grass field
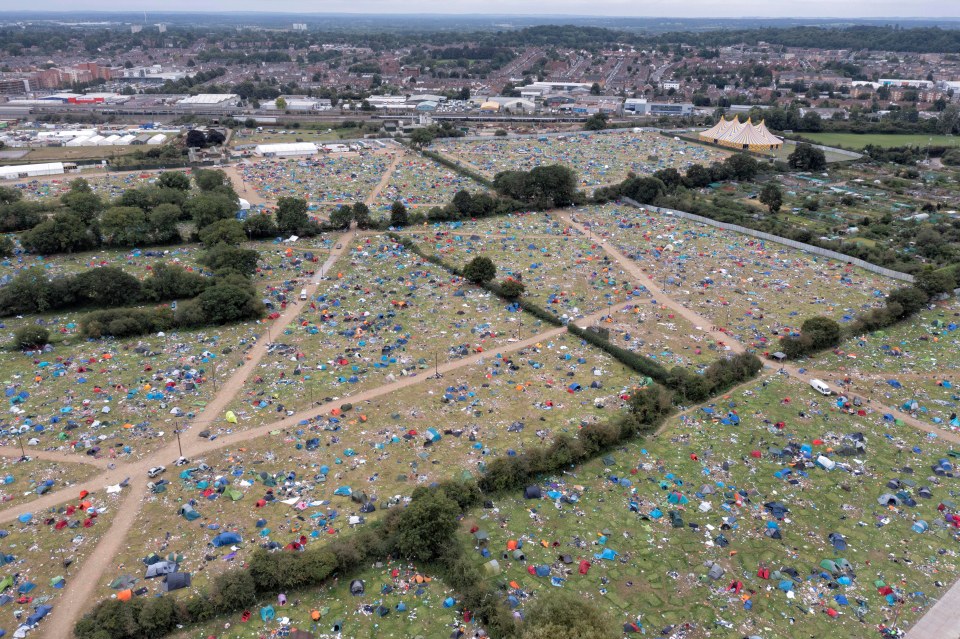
858 140
65 153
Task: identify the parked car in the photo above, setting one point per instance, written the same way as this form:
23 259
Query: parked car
156 470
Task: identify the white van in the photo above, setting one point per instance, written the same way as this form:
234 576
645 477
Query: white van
303 295
820 386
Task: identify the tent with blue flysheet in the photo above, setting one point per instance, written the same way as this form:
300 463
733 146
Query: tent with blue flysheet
226 539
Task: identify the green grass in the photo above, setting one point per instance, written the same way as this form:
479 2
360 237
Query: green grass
860 140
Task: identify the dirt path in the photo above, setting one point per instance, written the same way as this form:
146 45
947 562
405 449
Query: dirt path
11 452
385 180
250 194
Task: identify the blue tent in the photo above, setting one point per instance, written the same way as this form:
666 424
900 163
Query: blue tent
226 539
41 612
267 613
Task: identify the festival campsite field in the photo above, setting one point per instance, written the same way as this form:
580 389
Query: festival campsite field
741 471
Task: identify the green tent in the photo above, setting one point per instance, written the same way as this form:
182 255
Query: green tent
6 583
830 566
234 494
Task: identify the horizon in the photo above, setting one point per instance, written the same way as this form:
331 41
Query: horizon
872 10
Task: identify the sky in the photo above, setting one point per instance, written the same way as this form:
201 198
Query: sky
653 8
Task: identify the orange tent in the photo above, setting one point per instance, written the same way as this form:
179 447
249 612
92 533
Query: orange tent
125 595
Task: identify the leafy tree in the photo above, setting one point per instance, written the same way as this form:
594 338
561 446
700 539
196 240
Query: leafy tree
426 526
361 215
742 167
649 404
811 121
398 215
291 214
596 122
7 247
65 232
698 176
772 195
9 195
558 614
909 298
512 289
174 180
169 282
207 208
224 303
163 223
421 138
822 331
224 257
644 190
260 226
210 179
670 177
20 216
215 138
806 157
196 139
226 231
233 590
31 337
595 88
84 203
934 282
281 103
554 185
124 226
341 217
463 202
480 270
106 286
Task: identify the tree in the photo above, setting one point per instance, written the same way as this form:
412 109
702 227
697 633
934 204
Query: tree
226 231
7 246
341 217
934 282
512 289
163 222
226 302
207 208
224 257
480 270
106 286
215 138
361 215
670 177
421 138
822 331
811 121
281 103
31 337
233 590
209 179
772 195
174 180
807 158
291 214
552 185
196 139
909 298
84 203
9 195
169 282
426 526
596 122
595 88
65 232
697 177
398 215
124 226
260 226
743 168
558 614
644 190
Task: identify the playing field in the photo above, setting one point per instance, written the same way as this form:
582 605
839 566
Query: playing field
860 140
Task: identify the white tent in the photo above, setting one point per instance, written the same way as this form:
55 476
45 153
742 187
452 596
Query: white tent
287 149
30 170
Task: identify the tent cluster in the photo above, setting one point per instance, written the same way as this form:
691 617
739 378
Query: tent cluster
745 135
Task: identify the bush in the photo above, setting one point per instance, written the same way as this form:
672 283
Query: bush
511 289
31 337
643 365
426 526
233 590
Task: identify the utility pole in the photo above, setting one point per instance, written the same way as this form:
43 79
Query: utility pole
436 364
177 431
23 453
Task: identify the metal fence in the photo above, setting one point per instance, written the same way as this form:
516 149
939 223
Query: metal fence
807 248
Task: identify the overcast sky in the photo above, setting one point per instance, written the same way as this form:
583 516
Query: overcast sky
684 8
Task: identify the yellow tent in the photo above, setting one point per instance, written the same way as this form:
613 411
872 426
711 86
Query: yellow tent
230 417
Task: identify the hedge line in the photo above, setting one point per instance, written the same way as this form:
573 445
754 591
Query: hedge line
686 386
459 168
531 307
